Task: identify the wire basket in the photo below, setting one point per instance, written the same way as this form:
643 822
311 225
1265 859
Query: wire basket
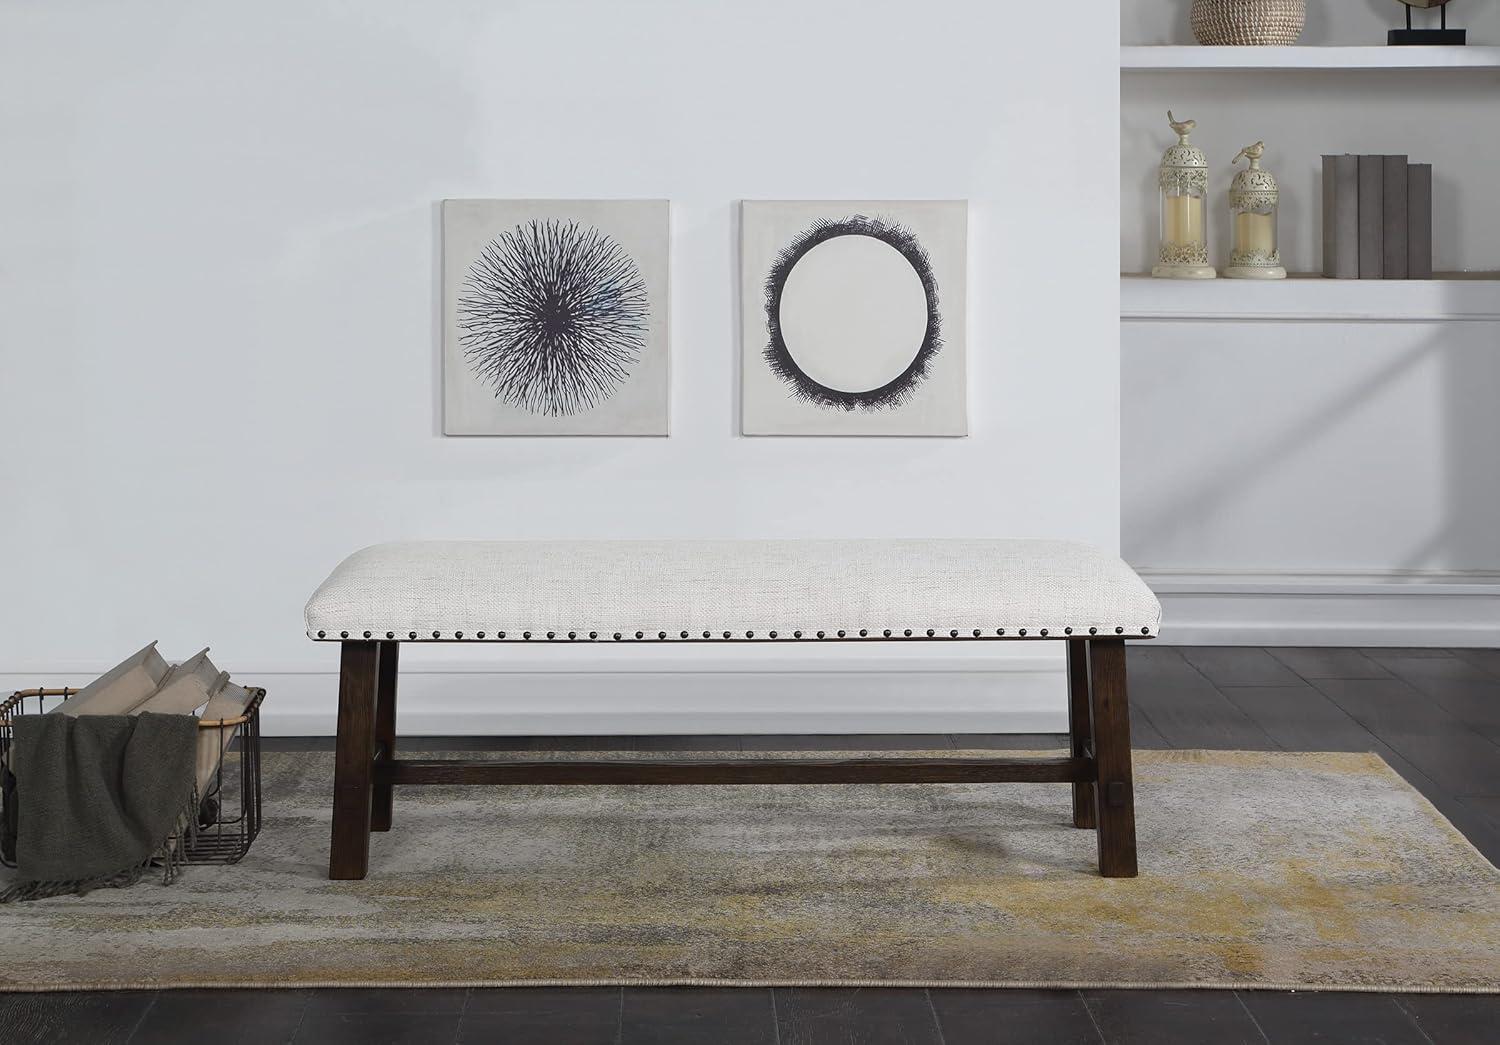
229 813
1248 22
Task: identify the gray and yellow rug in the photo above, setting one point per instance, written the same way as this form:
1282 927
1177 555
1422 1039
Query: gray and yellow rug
1257 870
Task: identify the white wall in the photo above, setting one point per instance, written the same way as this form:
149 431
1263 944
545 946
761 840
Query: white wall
218 311
1317 479
1349 463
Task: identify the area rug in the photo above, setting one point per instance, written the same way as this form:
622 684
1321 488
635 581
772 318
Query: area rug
1257 870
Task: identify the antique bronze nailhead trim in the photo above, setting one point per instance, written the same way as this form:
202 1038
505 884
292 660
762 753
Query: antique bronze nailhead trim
729 635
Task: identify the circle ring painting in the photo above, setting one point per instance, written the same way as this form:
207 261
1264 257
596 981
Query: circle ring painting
805 388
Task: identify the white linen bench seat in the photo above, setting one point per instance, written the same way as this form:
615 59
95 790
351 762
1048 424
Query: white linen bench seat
517 591
760 591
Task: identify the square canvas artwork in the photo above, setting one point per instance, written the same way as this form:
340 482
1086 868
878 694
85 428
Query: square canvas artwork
555 317
854 317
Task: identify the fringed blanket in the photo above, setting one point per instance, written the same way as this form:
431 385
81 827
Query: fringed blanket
101 798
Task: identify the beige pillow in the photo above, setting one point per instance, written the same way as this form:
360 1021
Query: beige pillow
187 687
120 689
229 702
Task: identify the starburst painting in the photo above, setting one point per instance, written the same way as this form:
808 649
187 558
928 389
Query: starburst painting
556 317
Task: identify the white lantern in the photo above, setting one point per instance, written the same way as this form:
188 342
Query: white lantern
1183 181
1254 200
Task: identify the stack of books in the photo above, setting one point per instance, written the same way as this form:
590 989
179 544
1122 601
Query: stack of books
1377 218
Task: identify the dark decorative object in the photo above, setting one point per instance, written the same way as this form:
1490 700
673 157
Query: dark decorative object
553 317
1442 36
804 388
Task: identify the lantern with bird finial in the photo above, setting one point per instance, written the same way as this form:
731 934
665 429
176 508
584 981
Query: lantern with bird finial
1254 201
1183 184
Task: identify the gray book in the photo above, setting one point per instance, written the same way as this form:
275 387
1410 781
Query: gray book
1393 240
1341 216
1419 221
1371 217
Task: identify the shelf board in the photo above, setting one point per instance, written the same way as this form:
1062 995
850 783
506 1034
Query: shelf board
1472 297
1170 58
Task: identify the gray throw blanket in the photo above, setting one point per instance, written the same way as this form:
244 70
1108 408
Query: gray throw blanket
100 798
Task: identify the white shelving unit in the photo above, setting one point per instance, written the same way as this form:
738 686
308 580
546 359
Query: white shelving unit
1180 58
1460 297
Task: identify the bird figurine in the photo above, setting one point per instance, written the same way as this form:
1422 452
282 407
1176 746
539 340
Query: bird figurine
1182 128
1253 153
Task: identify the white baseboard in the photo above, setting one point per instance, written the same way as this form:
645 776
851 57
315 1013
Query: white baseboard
1396 608
926 690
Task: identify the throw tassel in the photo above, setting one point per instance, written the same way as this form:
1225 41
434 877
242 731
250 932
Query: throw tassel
169 858
43 890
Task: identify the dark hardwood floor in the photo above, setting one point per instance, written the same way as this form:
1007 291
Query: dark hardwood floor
1434 715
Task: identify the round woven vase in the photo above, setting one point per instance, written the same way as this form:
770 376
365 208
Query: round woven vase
1248 22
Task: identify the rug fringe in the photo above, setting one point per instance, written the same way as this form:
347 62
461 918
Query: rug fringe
1065 985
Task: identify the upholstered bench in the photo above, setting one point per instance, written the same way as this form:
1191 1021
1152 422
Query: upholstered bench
749 592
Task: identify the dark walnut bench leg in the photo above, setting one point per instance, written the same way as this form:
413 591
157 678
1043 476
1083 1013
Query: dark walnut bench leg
1080 728
1114 796
354 760
385 734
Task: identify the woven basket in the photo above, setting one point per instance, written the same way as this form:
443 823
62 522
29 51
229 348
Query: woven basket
1248 22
